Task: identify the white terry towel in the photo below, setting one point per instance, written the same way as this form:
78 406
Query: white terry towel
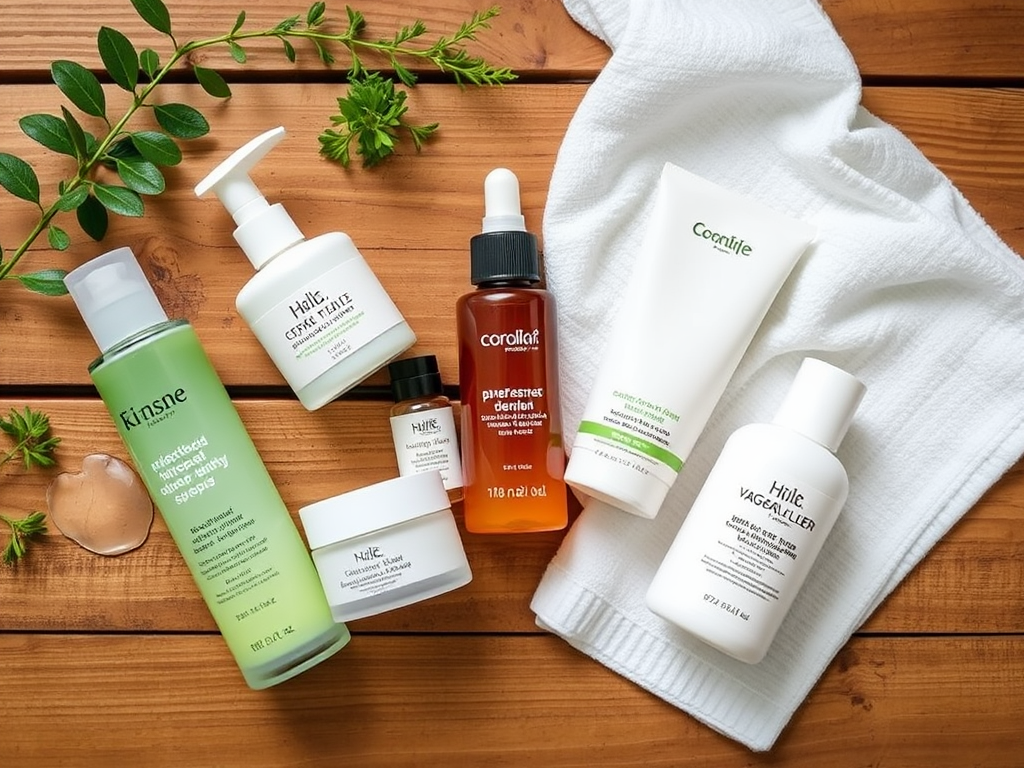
907 288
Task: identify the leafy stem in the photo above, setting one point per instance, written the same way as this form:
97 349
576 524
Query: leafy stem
372 114
33 443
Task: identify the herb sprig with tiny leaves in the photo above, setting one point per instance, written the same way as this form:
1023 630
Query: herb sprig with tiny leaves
33 443
372 114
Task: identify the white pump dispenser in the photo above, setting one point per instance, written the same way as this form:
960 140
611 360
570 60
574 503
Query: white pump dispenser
314 305
264 230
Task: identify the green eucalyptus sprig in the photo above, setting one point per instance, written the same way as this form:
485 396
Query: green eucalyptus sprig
372 114
33 443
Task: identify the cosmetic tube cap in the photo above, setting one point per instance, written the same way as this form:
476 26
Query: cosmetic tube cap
415 377
821 402
114 297
373 508
503 251
264 230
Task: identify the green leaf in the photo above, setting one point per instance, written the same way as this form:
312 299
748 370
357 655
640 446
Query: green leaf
92 218
154 13
50 131
49 282
356 21
237 52
58 238
289 50
149 60
212 82
141 176
404 74
158 148
119 200
69 201
181 120
80 85
119 57
315 14
238 22
18 178
76 133
123 147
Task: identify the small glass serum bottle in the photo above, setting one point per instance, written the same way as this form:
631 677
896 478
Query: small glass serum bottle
423 424
759 522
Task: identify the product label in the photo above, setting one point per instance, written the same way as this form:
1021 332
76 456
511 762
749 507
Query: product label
755 535
325 321
513 458
390 559
631 430
426 441
215 495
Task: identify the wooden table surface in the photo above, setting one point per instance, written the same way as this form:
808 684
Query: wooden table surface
116 661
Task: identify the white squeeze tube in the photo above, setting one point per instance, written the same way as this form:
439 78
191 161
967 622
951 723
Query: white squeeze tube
711 264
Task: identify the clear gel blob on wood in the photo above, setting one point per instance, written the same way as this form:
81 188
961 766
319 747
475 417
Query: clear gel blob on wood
104 508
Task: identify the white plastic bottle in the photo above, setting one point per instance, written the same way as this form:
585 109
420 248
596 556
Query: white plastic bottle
315 305
761 518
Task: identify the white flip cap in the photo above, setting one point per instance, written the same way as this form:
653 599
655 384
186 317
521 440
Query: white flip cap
821 402
264 230
114 297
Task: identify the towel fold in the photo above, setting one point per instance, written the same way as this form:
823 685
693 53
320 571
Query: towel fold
907 288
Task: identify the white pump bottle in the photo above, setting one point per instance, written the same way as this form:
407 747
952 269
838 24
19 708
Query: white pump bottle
315 305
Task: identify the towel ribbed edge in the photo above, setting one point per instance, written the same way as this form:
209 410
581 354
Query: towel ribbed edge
594 627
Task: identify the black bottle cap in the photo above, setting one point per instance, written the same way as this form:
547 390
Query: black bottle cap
504 257
415 377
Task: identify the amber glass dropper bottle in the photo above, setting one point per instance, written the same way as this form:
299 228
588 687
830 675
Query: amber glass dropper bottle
512 454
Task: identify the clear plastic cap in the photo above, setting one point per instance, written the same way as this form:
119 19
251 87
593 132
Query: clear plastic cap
114 297
821 402
263 230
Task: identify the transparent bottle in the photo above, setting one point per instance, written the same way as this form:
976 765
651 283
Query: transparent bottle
202 470
513 459
423 423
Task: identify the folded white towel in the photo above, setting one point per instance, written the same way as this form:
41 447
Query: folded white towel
907 288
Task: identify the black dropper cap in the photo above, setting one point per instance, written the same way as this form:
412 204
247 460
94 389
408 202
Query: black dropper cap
504 252
415 377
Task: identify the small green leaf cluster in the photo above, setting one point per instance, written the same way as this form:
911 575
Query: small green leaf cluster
30 431
372 115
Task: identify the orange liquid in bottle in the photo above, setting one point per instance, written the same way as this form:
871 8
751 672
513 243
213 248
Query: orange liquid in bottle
512 454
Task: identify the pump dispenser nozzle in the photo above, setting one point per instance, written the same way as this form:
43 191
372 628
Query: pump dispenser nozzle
264 230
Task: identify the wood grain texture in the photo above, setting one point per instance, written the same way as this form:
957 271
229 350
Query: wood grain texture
116 661
394 213
911 38
969 583
469 701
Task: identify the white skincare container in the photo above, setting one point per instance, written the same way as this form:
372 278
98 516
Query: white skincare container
760 520
315 305
710 266
386 545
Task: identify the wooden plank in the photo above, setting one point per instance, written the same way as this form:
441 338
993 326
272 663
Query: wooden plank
971 582
920 38
450 700
393 213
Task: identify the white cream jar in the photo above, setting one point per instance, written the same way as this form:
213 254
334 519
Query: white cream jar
386 545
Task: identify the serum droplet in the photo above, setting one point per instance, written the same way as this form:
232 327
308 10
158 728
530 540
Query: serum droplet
104 508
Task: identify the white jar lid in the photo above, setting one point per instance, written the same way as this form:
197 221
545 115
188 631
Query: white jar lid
373 508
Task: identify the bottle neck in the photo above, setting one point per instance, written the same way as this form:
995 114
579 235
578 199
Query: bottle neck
133 340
